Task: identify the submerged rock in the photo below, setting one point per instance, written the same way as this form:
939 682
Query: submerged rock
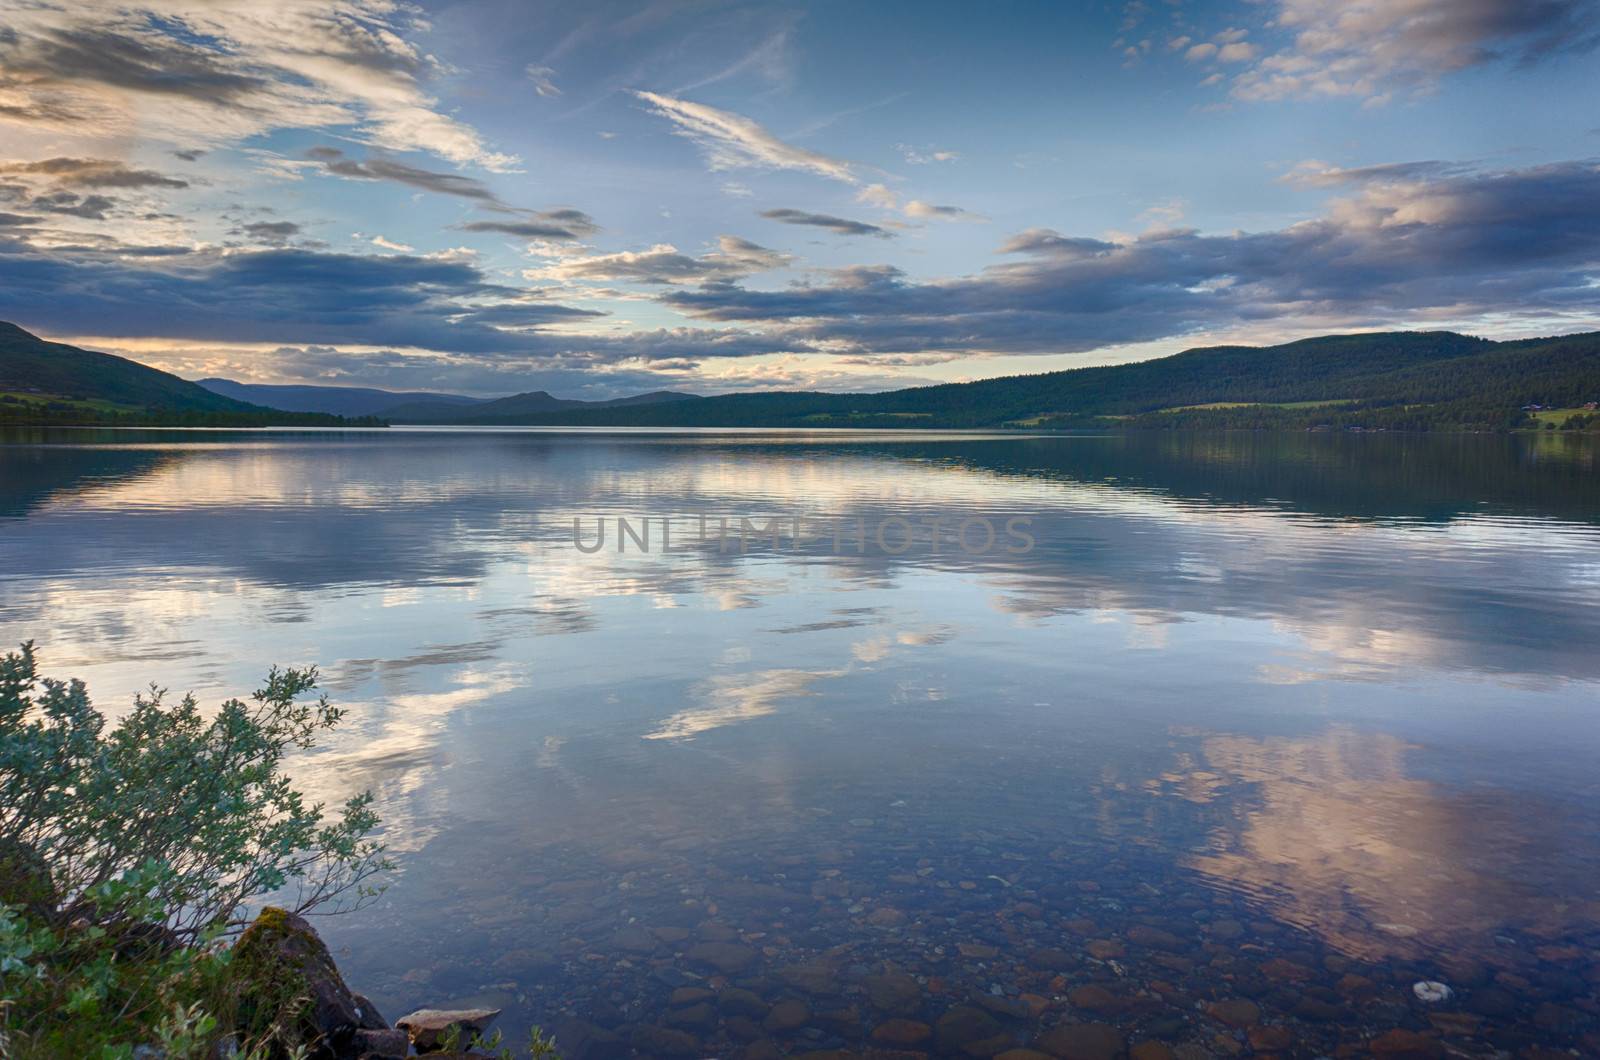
1082 1041
729 958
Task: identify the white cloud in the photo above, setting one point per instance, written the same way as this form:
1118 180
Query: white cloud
389 244
194 73
917 156
878 195
732 141
1200 52
1369 48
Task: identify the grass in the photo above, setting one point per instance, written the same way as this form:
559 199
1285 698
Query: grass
1263 404
821 417
23 399
1557 416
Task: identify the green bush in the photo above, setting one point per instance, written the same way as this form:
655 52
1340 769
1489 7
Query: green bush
129 854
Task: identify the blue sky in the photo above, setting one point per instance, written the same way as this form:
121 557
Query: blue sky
597 199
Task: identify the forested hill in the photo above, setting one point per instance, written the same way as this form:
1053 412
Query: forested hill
1415 380
53 383
1402 380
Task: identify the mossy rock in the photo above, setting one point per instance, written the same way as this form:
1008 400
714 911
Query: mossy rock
290 989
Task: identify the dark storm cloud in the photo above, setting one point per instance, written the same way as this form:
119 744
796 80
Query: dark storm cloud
1524 240
842 225
92 173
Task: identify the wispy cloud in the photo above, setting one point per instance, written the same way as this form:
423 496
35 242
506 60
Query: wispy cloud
336 162
732 141
549 224
543 78
919 156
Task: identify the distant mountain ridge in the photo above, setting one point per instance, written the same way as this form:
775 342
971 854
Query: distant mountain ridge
336 400
414 406
1400 380
1394 379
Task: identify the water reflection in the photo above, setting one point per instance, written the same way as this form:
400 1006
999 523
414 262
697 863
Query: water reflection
1324 701
1338 837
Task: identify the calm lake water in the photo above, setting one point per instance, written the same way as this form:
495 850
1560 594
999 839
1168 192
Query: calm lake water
1262 730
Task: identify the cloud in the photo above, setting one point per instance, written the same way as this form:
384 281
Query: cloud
1199 53
732 141
1398 244
92 173
878 195
334 161
195 73
543 80
1397 249
444 306
1369 48
663 263
271 231
89 207
842 225
927 211
551 224
924 156
1317 174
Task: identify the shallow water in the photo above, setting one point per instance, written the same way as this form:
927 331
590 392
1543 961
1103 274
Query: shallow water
1261 731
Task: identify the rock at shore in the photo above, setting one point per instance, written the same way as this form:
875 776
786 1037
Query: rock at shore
429 1027
289 980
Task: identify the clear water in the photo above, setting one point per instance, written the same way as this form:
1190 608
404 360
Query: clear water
1262 731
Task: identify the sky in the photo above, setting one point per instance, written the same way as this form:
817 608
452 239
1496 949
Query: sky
599 199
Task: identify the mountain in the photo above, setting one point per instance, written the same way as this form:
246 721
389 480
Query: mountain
44 383
32 369
415 406
336 400
533 403
1392 379
1401 380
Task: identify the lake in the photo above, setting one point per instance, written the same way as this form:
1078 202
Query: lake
1222 741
